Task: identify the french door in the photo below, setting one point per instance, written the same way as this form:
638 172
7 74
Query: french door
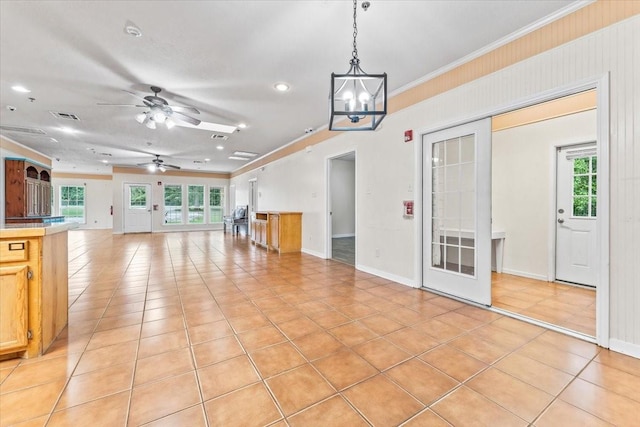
457 211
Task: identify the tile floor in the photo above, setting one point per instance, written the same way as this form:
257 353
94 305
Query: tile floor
567 306
204 329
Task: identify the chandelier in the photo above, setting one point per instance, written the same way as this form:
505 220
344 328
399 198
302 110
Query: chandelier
358 101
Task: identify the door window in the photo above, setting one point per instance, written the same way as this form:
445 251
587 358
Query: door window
585 186
137 197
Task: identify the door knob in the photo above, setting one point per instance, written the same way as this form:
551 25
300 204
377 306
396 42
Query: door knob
560 220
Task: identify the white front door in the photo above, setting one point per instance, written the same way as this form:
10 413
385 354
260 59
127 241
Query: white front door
576 214
457 211
137 208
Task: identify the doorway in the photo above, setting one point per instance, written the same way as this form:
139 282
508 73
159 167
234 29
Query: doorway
137 208
341 236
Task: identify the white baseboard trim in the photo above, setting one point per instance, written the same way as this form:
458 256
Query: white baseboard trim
525 274
313 253
385 275
624 347
337 236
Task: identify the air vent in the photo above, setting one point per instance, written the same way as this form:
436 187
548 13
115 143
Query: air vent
105 154
66 116
220 137
32 131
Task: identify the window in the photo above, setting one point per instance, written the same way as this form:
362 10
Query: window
173 204
196 204
137 197
216 203
453 200
72 203
585 186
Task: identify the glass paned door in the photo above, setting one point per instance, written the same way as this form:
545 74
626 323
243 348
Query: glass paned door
457 219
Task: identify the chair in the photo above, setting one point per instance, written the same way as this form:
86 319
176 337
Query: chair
238 218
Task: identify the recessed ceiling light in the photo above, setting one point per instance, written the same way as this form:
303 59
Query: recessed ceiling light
237 158
242 125
68 130
281 87
105 161
244 153
19 88
220 147
132 29
207 160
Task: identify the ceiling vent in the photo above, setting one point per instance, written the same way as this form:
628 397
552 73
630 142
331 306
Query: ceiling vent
217 136
198 161
66 116
32 131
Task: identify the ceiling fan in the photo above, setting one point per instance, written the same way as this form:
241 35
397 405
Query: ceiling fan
158 164
160 111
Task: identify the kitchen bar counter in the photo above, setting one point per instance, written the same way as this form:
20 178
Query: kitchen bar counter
34 287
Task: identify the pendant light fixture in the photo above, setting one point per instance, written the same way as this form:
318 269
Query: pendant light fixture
358 101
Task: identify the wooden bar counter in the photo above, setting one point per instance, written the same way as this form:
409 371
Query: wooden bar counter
33 287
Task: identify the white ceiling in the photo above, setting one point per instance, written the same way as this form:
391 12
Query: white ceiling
222 57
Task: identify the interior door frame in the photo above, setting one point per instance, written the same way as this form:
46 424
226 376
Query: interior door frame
329 226
601 84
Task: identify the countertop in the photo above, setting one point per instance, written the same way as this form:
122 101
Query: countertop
33 229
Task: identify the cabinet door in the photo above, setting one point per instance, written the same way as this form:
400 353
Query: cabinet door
13 309
32 198
262 233
274 231
45 199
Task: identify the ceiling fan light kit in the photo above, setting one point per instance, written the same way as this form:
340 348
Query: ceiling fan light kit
355 95
158 164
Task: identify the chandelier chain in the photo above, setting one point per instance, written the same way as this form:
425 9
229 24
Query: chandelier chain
355 31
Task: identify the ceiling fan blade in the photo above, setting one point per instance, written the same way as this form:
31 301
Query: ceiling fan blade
120 105
187 109
171 166
146 164
184 118
213 127
141 98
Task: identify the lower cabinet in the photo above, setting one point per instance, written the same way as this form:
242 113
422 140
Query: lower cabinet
280 231
14 319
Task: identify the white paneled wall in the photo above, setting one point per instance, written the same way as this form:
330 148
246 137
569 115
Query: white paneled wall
385 174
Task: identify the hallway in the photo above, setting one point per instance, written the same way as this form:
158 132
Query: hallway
204 329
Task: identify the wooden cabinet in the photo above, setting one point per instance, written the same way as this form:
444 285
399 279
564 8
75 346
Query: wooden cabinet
13 309
27 189
34 289
280 231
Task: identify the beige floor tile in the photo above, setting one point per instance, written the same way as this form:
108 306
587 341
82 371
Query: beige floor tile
485 351
258 338
619 361
162 343
412 340
381 324
209 331
108 411
162 326
334 412
454 362
252 405
114 336
158 399
423 381
317 345
96 384
382 402
381 353
561 413
344 368
508 392
192 417
227 376
438 330
554 357
37 371
28 403
466 407
163 365
247 323
537 374
119 321
299 388
107 356
426 418
298 327
276 359
606 405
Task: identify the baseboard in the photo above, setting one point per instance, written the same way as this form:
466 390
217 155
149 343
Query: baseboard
624 347
338 236
525 274
385 275
313 253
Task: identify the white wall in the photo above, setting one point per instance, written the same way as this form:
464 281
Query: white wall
157 195
523 167
386 165
343 198
98 200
